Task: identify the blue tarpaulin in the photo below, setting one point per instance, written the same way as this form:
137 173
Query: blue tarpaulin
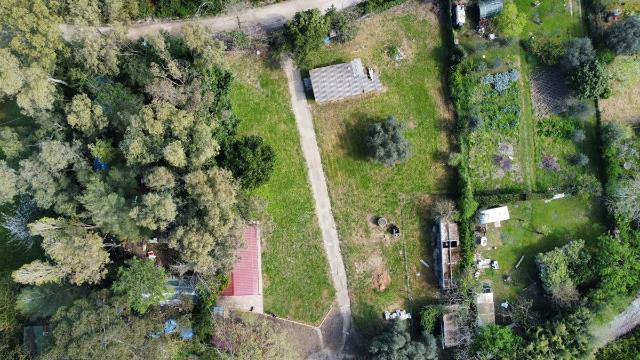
99 165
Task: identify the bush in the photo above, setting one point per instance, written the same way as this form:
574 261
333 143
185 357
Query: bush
561 270
386 142
429 317
578 136
251 160
578 52
501 81
548 49
343 23
238 40
623 37
305 33
370 6
591 80
509 22
580 159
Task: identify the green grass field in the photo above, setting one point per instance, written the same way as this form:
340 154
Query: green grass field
535 227
295 268
361 189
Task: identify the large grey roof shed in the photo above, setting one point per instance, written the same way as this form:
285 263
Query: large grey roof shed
337 82
490 8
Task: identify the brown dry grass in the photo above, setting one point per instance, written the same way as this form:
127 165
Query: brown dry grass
624 103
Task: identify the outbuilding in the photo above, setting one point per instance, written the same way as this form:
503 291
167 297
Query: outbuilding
461 16
490 8
342 81
244 291
493 216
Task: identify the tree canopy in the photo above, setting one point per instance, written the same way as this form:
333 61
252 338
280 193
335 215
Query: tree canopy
623 37
142 284
396 343
306 32
386 142
509 21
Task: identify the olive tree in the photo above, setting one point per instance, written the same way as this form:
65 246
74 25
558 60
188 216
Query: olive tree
386 142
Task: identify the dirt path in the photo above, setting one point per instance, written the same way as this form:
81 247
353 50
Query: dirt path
269 17
620 325
323 204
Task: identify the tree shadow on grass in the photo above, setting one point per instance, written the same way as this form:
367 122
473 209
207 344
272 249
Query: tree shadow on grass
353 139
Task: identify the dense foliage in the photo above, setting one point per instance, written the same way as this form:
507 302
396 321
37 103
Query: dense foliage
396 343
591 80
251 160
141 283
509 21
578 52
560 269
623 37
306 32
496 342
625 348
386 142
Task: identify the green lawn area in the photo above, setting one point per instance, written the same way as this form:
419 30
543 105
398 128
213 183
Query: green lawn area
535 227
295 269
361 189
552 18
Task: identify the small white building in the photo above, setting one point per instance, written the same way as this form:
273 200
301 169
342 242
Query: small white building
461 16
485 307
493 216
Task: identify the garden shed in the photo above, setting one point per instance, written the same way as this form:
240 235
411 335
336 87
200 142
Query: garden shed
447 252
341 81
485 306
451 324
493 216
490 8
244 291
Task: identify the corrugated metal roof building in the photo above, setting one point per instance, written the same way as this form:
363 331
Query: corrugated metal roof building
490 8
341 81
245 277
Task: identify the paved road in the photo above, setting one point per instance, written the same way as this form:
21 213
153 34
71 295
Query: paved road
269 17
321 196
620 325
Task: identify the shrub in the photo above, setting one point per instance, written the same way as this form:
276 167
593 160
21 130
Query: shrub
386 142
591 80
501 81
238 40
550 163
580 159
578 136
343 23
560 271
370 6
548 49
251 160
509 22
429 317
306 32
623 37
578 52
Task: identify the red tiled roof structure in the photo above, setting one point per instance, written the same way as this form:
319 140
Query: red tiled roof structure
245 277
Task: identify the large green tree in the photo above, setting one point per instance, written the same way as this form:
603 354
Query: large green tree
39 302
560 269
306 32
251 160
101 327
77 252
142 283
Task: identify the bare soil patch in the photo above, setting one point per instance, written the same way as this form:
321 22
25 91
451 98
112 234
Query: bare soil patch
549 91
